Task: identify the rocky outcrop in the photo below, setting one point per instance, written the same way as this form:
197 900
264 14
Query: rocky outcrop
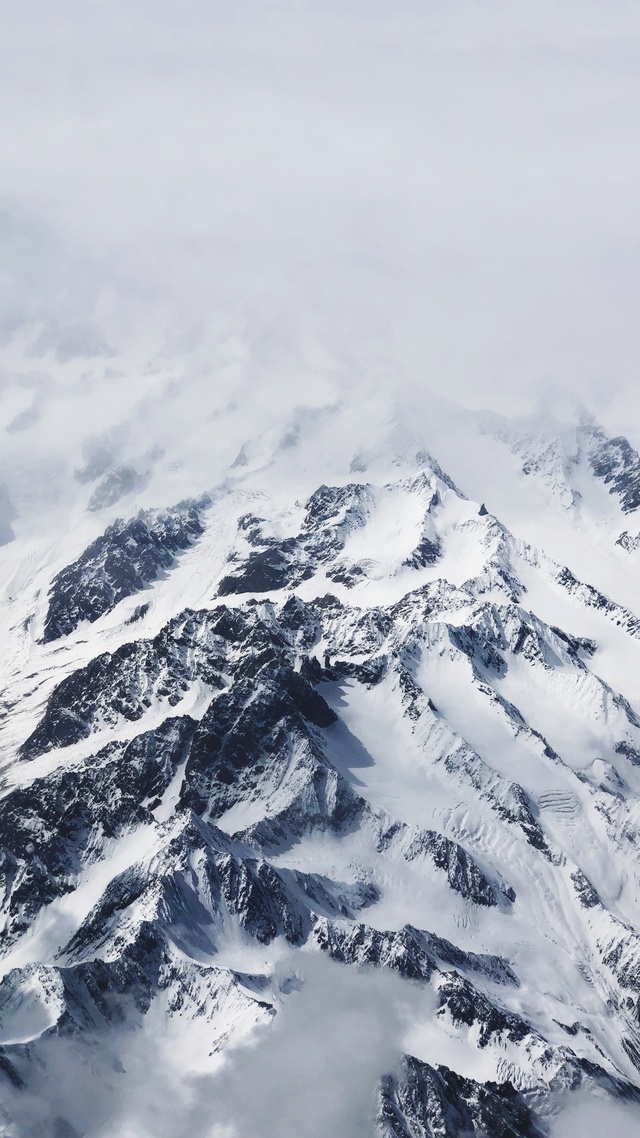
413 953
616 462
333 771
129 556
422 1100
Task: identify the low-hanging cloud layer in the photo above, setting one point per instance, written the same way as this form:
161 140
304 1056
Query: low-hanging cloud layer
445 194
315 1069
214 212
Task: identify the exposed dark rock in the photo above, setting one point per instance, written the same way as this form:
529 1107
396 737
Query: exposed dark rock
629 752
586 893
249 730
124 683
124 560
597 600
8 1070
138 613
201 880
463 873
411 952
229 803
618 465
474 644
52 827
346 575
466 1005
263 571
426 553
629 542
371 672
422 1101
576 645
284 563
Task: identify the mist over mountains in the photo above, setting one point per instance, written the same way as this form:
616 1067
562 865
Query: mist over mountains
319 796
319 541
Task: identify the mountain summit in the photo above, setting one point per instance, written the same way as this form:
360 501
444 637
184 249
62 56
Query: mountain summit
319 805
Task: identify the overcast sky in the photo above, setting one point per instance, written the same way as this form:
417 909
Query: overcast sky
448 192
272 202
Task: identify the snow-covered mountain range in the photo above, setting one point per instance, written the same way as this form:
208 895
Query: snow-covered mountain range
320 801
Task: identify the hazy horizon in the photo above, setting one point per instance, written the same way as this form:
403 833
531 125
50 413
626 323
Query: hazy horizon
266 194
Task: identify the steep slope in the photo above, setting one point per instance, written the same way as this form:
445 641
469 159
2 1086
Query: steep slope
363 728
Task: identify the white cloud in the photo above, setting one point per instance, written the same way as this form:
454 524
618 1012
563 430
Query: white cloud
314 1069
591 1117
317 1067
442 191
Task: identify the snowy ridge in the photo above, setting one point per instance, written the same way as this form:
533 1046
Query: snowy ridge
367 725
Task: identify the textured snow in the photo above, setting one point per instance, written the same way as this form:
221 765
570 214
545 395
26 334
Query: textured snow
484 724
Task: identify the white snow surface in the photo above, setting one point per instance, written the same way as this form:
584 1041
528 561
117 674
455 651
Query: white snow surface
549 721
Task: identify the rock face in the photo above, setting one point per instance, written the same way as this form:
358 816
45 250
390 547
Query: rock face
128 557
618 465
436 1101
372 733
564 459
